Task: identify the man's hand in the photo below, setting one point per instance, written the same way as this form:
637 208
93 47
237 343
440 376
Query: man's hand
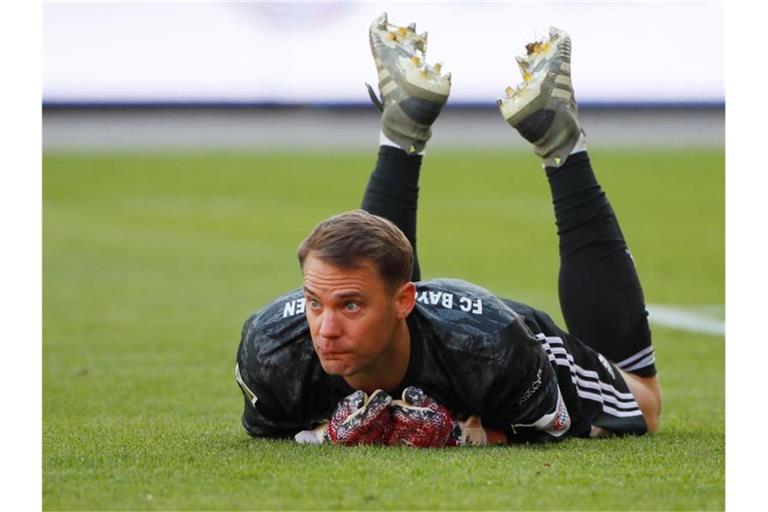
417 420
361 419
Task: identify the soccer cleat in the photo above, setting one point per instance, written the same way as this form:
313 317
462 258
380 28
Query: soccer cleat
542 107
412 91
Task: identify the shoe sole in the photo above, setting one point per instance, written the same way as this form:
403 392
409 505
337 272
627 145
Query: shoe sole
399 56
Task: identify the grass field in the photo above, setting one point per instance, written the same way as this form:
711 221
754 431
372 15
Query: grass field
151 264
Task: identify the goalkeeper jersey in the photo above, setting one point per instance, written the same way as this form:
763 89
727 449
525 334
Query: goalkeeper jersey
473 352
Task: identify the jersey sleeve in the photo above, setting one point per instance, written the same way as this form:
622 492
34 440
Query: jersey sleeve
260 417
273 369
525 400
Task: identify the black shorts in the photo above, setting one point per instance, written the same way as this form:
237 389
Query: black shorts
593 388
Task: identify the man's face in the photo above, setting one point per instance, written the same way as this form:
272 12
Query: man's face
352 316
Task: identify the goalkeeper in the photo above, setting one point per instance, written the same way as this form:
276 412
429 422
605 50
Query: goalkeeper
367 353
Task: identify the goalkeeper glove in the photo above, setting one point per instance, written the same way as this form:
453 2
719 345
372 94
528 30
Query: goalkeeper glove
416 420
361 419
419 421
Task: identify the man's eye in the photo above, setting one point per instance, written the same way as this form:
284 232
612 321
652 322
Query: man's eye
352 307
313 303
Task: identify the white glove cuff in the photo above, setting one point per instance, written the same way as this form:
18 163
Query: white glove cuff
314 436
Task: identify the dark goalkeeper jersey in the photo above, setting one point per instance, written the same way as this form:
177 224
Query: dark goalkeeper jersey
471 351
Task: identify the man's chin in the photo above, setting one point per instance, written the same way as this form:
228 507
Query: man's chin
338 368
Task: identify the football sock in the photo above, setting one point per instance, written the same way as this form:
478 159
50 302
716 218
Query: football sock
385 141
393 193
581 144
600 293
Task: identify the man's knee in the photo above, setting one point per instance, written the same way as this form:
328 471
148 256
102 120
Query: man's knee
647 393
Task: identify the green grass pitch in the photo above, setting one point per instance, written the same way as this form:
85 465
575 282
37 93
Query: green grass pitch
152 262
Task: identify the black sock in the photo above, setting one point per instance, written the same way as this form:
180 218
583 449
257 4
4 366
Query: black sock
600 294
393 193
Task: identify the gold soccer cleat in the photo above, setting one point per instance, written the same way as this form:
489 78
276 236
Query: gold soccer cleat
412 91
542 107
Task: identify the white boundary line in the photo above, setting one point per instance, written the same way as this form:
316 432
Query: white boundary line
691 319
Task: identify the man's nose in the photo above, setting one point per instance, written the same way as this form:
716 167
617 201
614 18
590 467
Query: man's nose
329 325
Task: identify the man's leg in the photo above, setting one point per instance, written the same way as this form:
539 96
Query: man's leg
393 193
412 95
600 293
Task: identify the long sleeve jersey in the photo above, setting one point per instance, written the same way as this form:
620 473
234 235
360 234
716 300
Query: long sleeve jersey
473 352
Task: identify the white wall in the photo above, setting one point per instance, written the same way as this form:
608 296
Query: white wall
319 51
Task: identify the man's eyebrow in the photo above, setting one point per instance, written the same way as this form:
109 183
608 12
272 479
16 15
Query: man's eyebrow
350 294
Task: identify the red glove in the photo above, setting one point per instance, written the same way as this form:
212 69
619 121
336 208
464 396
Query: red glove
417 420
361 419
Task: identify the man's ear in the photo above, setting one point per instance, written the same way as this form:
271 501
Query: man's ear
405 299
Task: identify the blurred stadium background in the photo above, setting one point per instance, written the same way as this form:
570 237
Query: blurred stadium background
259 76
188 147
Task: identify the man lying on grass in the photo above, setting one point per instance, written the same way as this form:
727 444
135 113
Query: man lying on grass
367 353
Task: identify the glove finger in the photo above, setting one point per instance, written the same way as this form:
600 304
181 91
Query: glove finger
373 407
415 406
348 405
418 398
410 413
415 396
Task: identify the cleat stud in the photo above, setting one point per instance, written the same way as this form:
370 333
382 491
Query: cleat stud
381 21
510 91
391 36
499 102
416 61
535 47
412 27
438 66
555 32
402 31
